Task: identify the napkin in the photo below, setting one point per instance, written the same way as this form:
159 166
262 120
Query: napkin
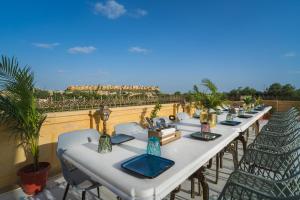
167 131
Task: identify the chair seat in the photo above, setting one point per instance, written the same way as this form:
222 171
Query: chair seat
246 186
82 181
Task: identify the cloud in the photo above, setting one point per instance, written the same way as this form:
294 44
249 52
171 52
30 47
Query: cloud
82 50
137 49
61 71
46 45
139 13
110 9
290 54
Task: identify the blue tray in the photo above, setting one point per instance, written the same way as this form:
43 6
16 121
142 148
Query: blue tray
206 136
244 116
259 108
252 112
147 166
120 138
230 123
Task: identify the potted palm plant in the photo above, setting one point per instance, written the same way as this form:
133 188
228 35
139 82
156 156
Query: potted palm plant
248 101
209 100
18 112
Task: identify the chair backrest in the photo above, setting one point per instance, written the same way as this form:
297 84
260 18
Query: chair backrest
182 116
129 128
70 139
197 113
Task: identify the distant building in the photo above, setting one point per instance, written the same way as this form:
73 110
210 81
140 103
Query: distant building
115 89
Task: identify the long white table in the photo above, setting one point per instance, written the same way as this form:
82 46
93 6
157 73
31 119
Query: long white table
189 155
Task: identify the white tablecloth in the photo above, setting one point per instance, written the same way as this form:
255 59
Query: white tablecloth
189 155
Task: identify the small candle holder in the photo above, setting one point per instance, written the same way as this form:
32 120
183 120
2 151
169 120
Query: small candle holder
205 127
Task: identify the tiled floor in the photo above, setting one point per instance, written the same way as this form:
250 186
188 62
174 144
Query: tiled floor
55 187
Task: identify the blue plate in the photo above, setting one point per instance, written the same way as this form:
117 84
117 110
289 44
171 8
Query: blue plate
252 112
259 108
120 138
230 123
244 116
148 166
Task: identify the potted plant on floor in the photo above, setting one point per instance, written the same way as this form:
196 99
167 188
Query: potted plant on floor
209 100
18 112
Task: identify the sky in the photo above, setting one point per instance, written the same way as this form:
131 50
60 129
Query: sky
172 44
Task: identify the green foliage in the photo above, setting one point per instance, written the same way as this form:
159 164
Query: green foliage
18 105
248 100
177 93
209 99
41 94
155 110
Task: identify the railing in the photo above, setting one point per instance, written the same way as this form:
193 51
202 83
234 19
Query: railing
50 105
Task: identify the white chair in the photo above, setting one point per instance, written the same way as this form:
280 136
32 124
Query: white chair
182 116
130 128
197 113
157 119
72 175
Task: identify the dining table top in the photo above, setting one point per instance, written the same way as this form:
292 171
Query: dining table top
188 154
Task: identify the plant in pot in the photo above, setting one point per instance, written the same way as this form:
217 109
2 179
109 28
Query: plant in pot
248 101
18 112
209 100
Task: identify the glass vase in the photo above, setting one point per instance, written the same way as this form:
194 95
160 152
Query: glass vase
153 146
104 145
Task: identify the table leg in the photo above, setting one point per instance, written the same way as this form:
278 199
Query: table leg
209 164
221 158
241 138
257 127
174 192
232 148
217 167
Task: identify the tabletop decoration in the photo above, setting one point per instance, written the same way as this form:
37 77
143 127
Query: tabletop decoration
153 146
105 144
165 135
209 101
248 102
205 127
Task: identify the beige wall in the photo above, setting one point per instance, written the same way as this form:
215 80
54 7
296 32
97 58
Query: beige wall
282 105
12 158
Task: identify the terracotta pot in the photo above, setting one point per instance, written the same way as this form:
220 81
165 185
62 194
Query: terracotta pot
33 182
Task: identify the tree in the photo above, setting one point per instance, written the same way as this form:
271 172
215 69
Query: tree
274 89
287 90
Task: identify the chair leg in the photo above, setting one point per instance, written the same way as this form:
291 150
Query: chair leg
199 186
83 195
173 193
66 191
98 192
235 160
203 184
192 187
